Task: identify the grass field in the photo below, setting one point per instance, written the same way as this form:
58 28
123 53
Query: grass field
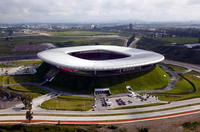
180 40
15 34
79 33
25 63
181 87
6 47
69 103
183 90
148 80
20 63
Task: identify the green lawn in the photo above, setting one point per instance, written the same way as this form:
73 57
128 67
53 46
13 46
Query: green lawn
4 80
183 90
180 40
152 80
69 103
30 90
148 80
79 33
25 63
15 34
5 65
20 63
181 87
27 88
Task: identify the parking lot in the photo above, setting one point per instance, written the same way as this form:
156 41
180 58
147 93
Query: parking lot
104 102
132 101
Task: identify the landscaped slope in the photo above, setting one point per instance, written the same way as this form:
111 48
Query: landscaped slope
148 80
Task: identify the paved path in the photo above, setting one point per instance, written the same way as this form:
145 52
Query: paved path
125 42
170 85
17 109
36 102
47 89
133 44
182 64
126 118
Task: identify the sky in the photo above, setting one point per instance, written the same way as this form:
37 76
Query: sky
88 11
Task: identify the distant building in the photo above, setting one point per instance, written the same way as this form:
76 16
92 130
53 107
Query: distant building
92 26
130 26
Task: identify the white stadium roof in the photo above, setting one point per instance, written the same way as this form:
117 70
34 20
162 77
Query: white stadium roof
60 57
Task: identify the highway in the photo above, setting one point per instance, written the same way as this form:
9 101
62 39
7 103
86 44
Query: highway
105 119
121 116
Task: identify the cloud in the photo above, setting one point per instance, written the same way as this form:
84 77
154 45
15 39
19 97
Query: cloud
13 11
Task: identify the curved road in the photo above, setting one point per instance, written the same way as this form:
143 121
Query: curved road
95 119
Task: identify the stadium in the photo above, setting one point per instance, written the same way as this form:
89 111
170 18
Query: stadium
100 60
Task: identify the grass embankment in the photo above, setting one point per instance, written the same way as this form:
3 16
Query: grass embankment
175 67
30 90
183 89
25 63
180 40
144 81
147 80
80 33
69 103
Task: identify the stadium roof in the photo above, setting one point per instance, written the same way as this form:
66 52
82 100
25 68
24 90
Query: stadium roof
61 57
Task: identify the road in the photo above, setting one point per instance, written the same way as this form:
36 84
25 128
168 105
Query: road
105 119
133 44
182 64
170 85
126 115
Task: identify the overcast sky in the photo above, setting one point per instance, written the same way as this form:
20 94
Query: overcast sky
69 11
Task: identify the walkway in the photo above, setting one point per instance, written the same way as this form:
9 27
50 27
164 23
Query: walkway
133 44
170 85
182 64
47 89
129 115
36 102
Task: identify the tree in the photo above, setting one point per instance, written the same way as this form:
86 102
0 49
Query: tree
29 115
27 101
96 43
143 129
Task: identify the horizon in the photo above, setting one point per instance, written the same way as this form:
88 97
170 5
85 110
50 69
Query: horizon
100 11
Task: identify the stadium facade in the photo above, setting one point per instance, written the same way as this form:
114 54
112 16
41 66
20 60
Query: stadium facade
100 60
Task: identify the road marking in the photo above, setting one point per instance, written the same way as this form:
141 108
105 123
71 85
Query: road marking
102 122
